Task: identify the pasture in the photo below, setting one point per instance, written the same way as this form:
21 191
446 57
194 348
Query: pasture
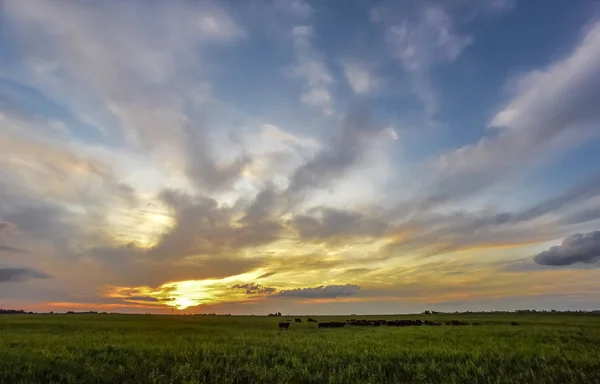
543 348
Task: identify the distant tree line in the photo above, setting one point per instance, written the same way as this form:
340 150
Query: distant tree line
14 312
86 313
517 311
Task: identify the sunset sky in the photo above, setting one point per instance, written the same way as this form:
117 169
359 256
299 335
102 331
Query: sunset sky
320 157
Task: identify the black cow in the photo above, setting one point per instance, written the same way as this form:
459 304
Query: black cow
332 324
298 320
312 320
405 323
284 325
515 323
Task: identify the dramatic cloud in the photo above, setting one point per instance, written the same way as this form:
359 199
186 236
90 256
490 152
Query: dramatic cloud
203 227
577 248
205 154
20 274
321 292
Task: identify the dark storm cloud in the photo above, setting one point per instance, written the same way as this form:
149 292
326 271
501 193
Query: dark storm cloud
577 248
20 274
255 289
321 292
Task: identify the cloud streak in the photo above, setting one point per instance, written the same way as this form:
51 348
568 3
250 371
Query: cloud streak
20 274
320 292
255 289
7 248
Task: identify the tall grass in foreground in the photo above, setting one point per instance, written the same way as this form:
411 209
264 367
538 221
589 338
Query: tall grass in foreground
184 349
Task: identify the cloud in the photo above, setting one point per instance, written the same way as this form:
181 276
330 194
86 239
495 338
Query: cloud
145 298
584 215
38 219
540 103
202 167
202 227
320 292
311 67
580 193
577 248
264 202
345 150
7 229
335 225
421 37
538 120
425 38
542 221
61 162
20 274
6 248
255 289
360 80
221 192
136 69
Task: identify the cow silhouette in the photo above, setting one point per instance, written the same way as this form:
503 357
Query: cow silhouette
332 324
284 325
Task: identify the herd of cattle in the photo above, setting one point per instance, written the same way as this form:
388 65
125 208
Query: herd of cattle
377 323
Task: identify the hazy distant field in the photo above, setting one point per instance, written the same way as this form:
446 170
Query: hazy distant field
185 349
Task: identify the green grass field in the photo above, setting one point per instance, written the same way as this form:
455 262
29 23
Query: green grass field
548 348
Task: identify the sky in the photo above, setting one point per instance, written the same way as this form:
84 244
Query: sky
303 157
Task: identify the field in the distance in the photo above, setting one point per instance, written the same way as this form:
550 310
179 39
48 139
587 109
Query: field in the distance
544 348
